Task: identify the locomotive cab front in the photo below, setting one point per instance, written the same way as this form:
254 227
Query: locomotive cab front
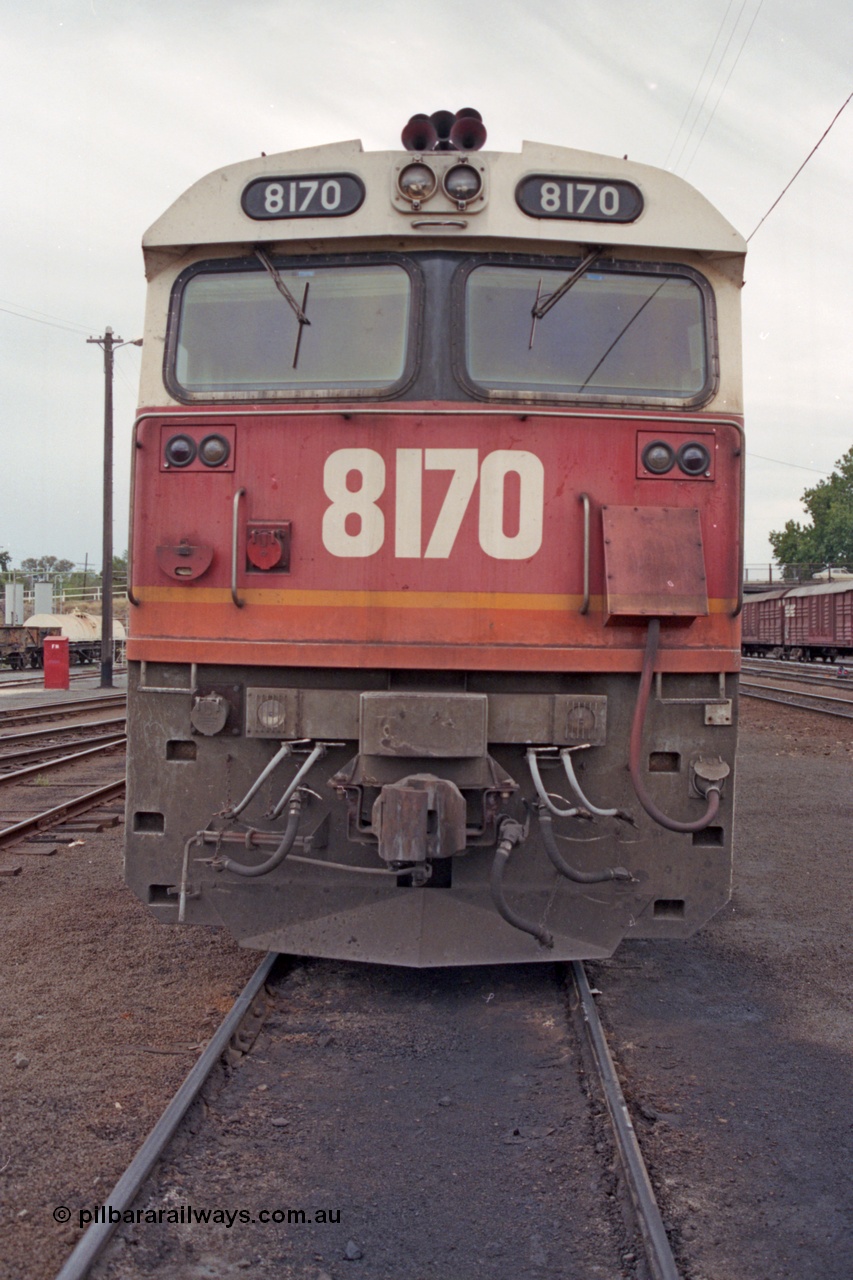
436 555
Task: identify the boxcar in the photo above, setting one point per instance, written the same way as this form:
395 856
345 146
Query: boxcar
813 622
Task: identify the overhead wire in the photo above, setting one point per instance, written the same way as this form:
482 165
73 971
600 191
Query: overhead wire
70 327
799 466
725 86
802 166
689 106
711 82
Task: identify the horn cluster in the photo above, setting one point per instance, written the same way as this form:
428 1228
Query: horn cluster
445 131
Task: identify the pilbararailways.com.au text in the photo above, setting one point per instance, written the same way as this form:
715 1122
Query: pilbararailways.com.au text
187 1215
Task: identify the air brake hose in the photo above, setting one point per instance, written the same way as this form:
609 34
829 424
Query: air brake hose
275 860
546 827
512 833
636 747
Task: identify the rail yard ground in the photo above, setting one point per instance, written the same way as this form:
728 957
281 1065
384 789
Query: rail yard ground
735 1050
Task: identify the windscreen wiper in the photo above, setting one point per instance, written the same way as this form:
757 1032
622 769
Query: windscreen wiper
541 308
299 311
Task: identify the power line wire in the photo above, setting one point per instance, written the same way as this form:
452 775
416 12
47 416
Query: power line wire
780 463
35 320
56 322
698 84
802 166
725 86
716 72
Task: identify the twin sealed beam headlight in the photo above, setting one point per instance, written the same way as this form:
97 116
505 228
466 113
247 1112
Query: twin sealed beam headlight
693 458
181 450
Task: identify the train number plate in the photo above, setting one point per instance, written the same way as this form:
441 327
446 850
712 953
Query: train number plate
312 195
578 199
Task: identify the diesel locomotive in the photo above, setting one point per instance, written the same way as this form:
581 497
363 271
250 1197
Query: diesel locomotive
436 553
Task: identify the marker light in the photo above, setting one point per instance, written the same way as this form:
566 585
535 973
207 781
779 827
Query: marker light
214 450
694 459
272 713
416 182
462 184
658 457
180 451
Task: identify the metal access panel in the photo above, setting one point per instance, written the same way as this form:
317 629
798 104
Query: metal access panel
424 724
654 563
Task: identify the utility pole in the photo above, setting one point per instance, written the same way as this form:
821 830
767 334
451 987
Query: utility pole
109 343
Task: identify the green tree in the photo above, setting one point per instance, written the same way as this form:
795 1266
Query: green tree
5 560
46 566
828 539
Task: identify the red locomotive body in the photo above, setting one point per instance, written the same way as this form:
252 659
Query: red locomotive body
420 565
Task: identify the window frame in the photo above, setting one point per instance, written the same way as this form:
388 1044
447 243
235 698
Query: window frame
286 262
625 399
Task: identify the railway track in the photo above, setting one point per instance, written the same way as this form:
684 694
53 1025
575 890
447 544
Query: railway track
304 1028
56 759
801 700
35 679
43 760
50 712
800 672
65 812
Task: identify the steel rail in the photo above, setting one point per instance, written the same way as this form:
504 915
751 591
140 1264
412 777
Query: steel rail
30 735
35 676
25 755
68 809
658 1252
125 1190
57 710
45 766
789 699
801 673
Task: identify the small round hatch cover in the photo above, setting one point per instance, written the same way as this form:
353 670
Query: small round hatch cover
209 714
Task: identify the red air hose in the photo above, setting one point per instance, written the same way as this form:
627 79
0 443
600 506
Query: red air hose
635 749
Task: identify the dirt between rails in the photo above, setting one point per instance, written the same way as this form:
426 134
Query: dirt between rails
736 1050
427 1124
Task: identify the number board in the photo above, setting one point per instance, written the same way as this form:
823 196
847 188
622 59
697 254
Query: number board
314 195
578 199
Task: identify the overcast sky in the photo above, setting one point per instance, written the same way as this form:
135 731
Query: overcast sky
111 108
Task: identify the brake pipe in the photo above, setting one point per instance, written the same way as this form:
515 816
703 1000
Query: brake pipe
533 765
315 755
275 860
636 747
512 833
546 828
566 757
282 754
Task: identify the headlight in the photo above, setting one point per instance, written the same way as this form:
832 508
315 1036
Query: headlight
214 450
180 451
658 457
694 459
